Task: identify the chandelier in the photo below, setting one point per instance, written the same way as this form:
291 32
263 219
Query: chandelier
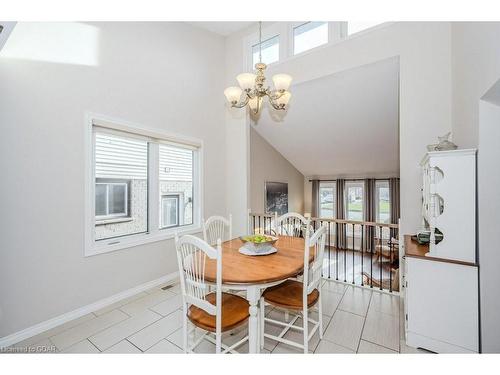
253 87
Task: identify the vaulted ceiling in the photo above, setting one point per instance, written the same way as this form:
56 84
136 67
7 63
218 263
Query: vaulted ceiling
345 124
222 28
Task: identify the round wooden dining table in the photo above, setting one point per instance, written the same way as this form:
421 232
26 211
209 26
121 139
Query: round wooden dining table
255 273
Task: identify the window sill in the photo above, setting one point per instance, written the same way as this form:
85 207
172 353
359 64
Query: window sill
113 221
138 240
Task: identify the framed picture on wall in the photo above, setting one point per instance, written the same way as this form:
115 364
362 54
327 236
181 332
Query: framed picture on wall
276 195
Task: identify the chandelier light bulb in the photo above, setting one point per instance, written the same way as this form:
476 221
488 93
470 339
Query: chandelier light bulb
246 80
282 81
233 94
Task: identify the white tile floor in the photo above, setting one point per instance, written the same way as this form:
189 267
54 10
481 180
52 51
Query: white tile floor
355 321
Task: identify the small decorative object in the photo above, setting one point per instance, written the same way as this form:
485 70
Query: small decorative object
424 236
444 144
258 244
276 197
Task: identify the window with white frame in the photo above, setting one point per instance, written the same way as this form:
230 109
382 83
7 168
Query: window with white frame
111 199
121 185
132 201
170 210
354 191
269 49
354 206
327 199
176 182
383 203
309 35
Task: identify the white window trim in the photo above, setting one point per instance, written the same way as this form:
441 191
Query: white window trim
263 41
349 184
334 187
378 185
337 33
291 37
91 247
276 29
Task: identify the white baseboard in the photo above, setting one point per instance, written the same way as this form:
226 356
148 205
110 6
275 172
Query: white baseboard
61 319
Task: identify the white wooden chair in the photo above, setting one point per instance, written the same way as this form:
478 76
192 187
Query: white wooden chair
217 227
298 296
214 312
291 224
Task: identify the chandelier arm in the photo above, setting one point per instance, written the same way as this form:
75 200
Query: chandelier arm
278 107
241 104
257 108
275 94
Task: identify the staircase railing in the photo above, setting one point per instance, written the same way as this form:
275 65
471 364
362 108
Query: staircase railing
361 253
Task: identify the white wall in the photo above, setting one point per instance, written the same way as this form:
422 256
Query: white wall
267 164
488 208
167 76
424 51
476 123
475 68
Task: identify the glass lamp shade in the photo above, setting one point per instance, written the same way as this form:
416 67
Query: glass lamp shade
246 80
282 81
255 103
284 99
233 94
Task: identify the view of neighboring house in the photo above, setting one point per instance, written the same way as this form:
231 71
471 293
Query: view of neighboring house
121 170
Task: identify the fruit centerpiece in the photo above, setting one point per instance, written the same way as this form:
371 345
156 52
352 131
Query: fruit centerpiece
259 243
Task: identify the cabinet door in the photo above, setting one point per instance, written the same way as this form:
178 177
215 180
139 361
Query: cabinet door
442 302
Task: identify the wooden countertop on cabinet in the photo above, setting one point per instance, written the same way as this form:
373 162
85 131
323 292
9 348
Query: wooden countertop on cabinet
415 250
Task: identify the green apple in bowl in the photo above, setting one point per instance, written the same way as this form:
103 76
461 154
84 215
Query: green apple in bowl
259 242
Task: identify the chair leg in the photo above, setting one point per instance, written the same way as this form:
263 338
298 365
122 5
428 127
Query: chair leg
305 321
262 321
185 333
320 317
218 342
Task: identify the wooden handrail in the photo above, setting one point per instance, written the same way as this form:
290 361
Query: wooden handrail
341 221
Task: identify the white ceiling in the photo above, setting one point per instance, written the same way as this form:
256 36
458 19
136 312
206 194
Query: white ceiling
345 124
221 27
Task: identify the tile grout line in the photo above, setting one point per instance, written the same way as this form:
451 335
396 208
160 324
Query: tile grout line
91 343
142 351
374 343
124 320
364 322
383 346
143 328
337 309
331 342
331 319
95 333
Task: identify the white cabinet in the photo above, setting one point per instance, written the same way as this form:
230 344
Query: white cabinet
441 306
441 279
449 202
